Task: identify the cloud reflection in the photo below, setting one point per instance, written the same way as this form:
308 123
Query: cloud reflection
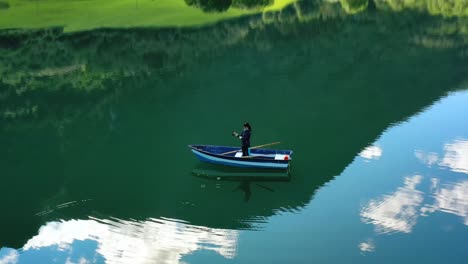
456 156
428 159
10 257
396 212
123 241
368 246
452 198
371 152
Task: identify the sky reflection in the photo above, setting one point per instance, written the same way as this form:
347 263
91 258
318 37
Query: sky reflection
440 186
456 156
371 152
123 241
367 246
8 256
451 198
399 211
396 212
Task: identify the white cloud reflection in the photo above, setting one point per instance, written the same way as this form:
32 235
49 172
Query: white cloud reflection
396 212
10 258
122 241
456 156
368 246
81 261
399 211
451 198
371 152
428 159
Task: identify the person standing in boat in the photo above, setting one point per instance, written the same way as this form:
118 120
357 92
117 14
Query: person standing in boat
245 138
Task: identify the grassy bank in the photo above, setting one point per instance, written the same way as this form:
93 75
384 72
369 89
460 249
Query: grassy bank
76 15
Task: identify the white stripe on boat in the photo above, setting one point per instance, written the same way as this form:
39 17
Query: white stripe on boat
242 163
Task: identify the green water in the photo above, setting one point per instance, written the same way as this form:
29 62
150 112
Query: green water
94 128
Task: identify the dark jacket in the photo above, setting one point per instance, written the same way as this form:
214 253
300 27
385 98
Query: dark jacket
245 138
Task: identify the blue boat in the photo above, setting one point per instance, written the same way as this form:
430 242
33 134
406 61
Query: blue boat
232 156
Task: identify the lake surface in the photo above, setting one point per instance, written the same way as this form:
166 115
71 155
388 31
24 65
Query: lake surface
94 128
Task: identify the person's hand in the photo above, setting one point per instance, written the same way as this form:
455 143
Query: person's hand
235 134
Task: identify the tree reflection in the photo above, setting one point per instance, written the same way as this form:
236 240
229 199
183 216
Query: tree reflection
354 6
250 4
223 5
4 5
436 7
210 5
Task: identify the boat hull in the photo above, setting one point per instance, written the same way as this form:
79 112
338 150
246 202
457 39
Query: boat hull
243 162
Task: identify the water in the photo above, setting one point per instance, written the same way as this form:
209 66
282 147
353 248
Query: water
95 125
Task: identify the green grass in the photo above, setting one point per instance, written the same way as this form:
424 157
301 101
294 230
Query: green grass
279 4
76 15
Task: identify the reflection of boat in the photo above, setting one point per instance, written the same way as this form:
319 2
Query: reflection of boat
241 175
232 156
231 173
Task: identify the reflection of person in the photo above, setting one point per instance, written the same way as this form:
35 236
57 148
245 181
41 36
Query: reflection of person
245 139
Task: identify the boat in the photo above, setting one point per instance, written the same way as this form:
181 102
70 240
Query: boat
232 156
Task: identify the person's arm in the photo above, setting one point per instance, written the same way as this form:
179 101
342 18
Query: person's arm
236 135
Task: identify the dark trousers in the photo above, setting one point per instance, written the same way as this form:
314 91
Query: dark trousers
245 151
